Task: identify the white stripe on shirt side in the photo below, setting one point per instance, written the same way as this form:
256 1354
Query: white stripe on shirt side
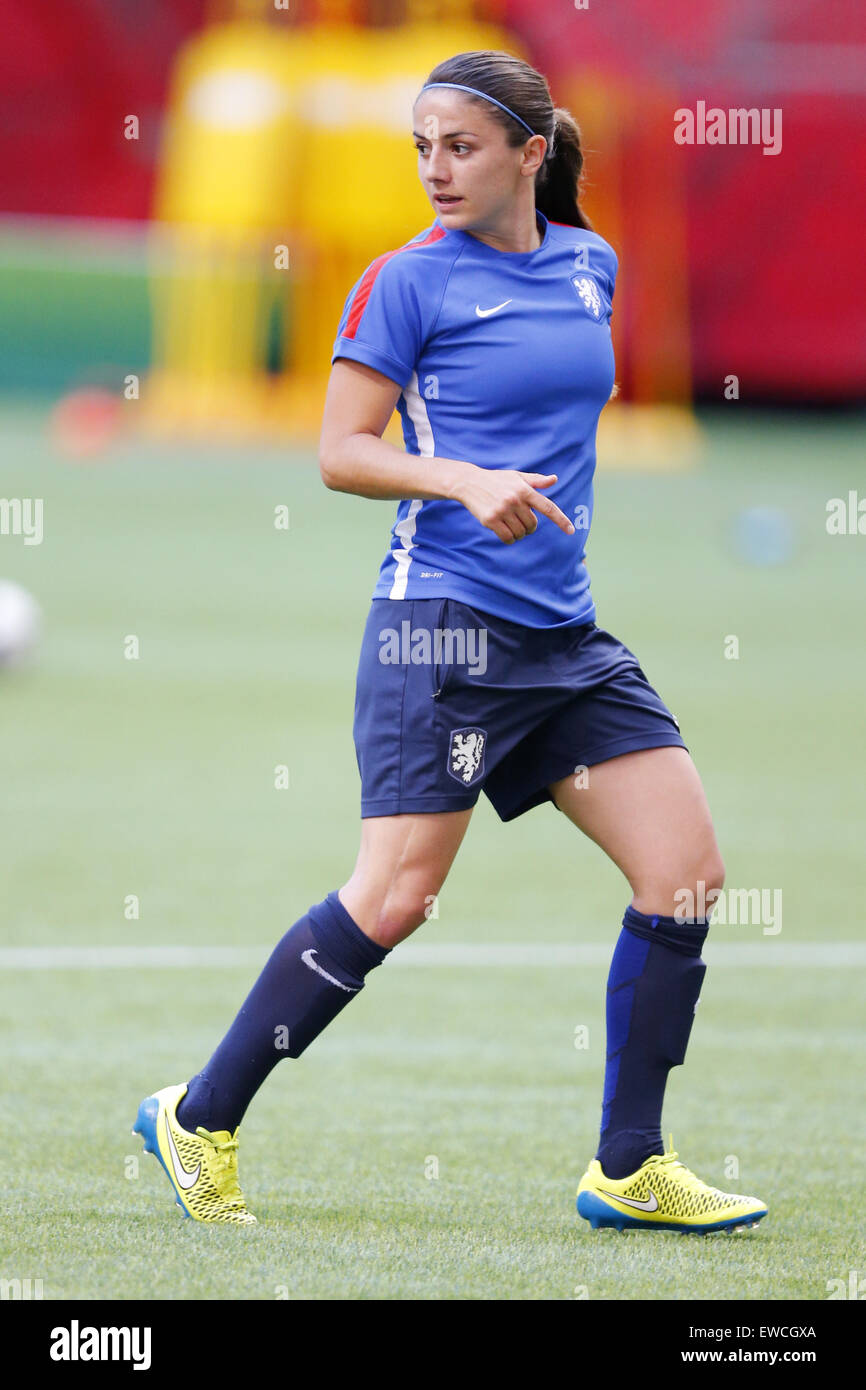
405 529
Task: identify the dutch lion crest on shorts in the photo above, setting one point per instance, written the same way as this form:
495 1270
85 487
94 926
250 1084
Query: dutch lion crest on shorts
466 754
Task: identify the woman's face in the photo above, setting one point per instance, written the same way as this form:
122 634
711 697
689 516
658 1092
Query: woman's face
469 172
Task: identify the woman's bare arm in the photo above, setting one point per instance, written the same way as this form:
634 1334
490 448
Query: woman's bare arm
354 458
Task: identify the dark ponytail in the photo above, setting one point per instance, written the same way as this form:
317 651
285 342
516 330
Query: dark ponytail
557 183
523 89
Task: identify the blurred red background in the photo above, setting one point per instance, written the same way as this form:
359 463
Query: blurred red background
776 268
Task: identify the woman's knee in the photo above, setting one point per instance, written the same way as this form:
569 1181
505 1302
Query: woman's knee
391 913
397 921
702 887
715 873
681 887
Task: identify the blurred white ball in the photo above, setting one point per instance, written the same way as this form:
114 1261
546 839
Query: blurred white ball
20 622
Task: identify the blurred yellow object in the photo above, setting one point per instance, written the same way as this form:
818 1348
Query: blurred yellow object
229 155
359 192
223 203
649 438
288 166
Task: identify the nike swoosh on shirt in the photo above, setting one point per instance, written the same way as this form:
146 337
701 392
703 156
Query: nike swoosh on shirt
184 1179
485 313
650 1204
307 958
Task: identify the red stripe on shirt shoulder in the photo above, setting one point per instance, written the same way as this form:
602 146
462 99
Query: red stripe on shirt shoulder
365 288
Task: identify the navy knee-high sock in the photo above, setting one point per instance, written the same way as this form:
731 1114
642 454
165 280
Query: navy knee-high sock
312 973
652 992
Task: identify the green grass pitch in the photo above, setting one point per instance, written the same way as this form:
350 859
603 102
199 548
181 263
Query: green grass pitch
155 778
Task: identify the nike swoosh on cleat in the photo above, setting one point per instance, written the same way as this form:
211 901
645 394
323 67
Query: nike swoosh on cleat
650 1204
184 1179
485 313
307 958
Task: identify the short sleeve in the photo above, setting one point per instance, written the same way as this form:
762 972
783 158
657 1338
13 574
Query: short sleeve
611 265
381 320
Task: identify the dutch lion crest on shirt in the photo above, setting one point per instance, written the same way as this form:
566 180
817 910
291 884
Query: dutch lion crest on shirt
588 293
466 754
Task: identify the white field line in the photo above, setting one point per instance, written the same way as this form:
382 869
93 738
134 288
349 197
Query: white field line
456 956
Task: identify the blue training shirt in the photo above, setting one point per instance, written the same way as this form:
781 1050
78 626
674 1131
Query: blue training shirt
505 360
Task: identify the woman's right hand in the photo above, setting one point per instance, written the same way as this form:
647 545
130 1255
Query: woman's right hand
506 500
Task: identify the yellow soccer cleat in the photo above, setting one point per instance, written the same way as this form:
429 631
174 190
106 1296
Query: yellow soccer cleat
202 1167
663 1195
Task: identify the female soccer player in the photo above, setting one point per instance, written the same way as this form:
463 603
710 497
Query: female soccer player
482 666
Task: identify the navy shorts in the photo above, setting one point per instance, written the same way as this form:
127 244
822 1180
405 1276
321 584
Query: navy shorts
451 701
